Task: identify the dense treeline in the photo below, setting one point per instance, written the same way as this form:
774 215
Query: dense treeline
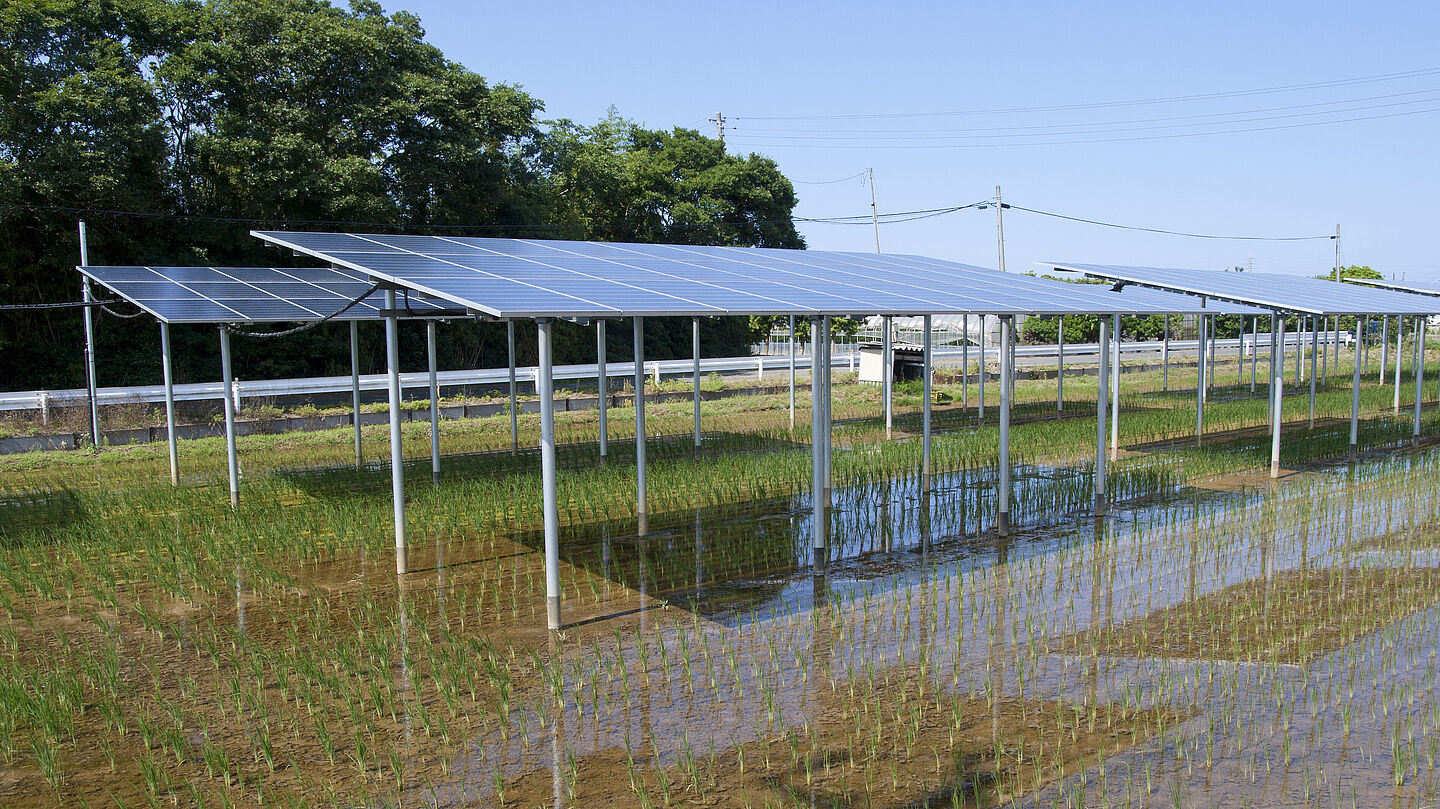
173 127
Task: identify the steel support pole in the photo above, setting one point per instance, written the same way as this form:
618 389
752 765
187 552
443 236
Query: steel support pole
965 366
1355 407
1299 351
430 347
1254 349
827 373
1114 387
1210 366
1201 323
642 508
887 375
547 475
88 296
695 373
397 450
981 411
355 391
1384 347
1100 401
232 460
1006 372
1419 370
1399 350
1060 365
514 412
817 442
1165 356
925 411
1314 349
792 371
1277 397
167 368
1322 324
602 388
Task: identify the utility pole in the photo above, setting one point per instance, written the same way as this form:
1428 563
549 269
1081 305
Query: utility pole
874 209
1000 227
1337 254
719 122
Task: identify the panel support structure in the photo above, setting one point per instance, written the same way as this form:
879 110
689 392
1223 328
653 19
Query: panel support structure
695 374
1314 349
925 412
167 366
1419 371
642 507
1277 394
1101 397
887 374
1355 405
1165 356
1006 373
1115 387
1060 365
1201 324
546 382
1399 352
430 340
232 461
355 391
397 451
602 388
792 371
817 459
514 413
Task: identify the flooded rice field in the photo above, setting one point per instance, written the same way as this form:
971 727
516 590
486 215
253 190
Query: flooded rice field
1237 643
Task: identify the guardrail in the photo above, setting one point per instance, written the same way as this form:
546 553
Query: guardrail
845 357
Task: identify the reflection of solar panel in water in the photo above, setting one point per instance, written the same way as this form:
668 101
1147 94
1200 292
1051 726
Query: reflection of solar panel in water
1287 292
247 294
535 278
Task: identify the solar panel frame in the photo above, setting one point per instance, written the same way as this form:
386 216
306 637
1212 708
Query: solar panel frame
1288 293
208 295
530 278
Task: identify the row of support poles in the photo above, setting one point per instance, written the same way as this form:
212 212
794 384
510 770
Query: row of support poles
1277 391
430 329
514 413
397 453
1100 407
1006 373
167 367
887 376
355 391
232 463
1060 365
1115 387
792 372
925 374
695 374
602 389
642 508
545 383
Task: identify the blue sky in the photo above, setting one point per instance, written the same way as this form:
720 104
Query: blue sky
772 68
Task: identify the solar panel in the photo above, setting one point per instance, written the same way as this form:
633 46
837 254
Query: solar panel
525 278
247 294
1430 288
1284 292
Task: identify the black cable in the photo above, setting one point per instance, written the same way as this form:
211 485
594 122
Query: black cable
17 307
306 326
1169 232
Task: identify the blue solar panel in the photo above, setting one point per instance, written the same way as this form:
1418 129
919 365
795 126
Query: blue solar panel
246 294
536 278
1285 292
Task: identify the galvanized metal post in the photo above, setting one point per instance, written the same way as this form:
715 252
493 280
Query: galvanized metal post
1355 408
887 374
355 391
397 449
1419 370
1165 356
1277 394
232 461
792 371
1060 365
826 379
514 413
1314 349
817 442
981 412
1384 347
1115 387
550 500
1399 351
1100 403
695 373
1323 324
602 387
430 340
90 379
1254 349
1006 372
1299 351
925 410
642 508
1210 367
965 366
167 368
1200 369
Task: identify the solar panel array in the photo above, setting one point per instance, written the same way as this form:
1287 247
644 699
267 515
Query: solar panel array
1430 288
247 294
1157 298
519 278
1285 292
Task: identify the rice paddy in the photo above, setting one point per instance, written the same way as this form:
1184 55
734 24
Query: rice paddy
1217 639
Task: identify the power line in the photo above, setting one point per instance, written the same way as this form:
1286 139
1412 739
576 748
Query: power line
1284 88
1169 232
827 182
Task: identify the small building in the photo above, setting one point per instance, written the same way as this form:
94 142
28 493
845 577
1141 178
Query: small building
908 362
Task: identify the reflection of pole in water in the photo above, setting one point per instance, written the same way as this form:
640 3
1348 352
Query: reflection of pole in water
926 537
440 577
239 600
557 719
605 558
699 555
887 529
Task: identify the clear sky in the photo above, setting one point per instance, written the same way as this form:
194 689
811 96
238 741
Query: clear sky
780 72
